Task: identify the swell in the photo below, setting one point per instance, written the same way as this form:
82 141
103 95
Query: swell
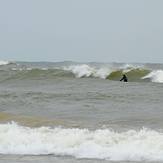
36 73
45 74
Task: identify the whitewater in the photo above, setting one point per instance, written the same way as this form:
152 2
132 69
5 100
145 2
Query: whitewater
80 112
82 143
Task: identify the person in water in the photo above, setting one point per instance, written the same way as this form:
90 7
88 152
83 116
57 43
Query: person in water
124 78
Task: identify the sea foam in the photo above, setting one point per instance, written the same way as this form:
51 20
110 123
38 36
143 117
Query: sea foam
85 70
131 145
4 62
155 76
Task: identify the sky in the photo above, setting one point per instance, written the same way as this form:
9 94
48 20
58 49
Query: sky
81 30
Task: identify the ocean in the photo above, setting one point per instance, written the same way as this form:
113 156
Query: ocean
70 112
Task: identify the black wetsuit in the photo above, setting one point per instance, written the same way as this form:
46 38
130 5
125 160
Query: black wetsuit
124 78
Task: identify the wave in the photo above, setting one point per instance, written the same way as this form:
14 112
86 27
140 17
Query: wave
131 145
155 76
88 71
134 73
4 62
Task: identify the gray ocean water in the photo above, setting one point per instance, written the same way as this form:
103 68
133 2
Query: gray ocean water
81 112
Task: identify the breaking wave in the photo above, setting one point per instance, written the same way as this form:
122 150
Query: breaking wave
134 73
131 145
4 62
155 76
88 71
83 71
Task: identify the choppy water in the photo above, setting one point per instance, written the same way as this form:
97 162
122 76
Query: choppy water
81 112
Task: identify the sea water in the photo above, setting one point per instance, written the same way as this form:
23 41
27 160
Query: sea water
80 112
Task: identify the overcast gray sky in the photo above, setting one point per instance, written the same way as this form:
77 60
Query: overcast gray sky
81 30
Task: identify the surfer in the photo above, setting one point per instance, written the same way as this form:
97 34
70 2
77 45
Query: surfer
124 78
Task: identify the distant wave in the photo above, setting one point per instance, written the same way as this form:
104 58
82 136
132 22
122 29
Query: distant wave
4 62
39 73
131 145
134 73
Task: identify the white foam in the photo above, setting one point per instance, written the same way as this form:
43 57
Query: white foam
102 72
4 62
44 68
132 145
29 68
128 67
80 70
155 76
85 70
131 66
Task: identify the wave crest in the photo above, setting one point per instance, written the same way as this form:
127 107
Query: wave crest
88 71
155 76
4 62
